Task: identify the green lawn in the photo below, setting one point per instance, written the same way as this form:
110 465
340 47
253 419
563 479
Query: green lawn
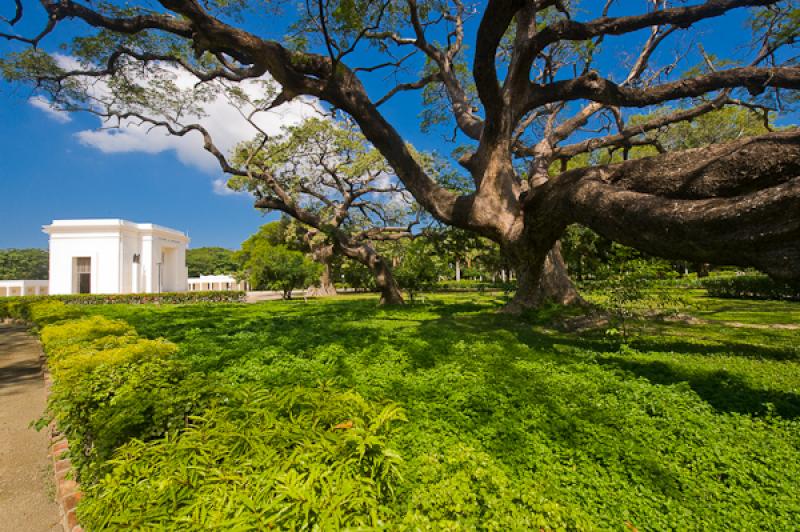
513 425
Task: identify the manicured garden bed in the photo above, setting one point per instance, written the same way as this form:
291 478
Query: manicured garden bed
442 415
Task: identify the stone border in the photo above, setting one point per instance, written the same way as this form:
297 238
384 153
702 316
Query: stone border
68 492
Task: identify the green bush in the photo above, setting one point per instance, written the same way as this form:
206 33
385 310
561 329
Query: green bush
289 458
216 296
470 285
39 311
285 456
57 338
46 312
109 385
752 287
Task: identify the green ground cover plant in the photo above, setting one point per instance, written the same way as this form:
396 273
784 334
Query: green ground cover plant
510 425
446 415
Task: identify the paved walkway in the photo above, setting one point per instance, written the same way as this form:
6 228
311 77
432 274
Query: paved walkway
26 482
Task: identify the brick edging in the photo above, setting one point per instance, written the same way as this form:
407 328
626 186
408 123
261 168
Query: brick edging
68 492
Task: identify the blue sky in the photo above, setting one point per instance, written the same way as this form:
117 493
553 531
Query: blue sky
47 171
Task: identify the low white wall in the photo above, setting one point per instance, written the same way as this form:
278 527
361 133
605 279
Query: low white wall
24 287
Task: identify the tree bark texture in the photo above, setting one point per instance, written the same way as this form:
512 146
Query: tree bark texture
542 278
381 272
324 287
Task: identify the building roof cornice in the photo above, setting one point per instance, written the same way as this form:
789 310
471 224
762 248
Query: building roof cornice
112 225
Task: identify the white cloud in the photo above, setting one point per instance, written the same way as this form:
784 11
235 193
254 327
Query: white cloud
56 114
220 187
223 121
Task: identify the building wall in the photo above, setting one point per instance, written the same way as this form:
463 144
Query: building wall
164 265
103 249
125 257
23 287
131 273
216 282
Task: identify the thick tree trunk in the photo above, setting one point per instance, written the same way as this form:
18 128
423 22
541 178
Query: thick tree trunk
384 280
324 286
541 278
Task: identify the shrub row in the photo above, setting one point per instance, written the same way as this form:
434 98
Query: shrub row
287 458
156 446
470 285
109 385
217 296
752 287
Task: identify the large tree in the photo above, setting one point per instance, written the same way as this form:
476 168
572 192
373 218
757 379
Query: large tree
323 174
529 84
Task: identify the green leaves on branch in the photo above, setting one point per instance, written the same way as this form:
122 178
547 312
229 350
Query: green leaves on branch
419 268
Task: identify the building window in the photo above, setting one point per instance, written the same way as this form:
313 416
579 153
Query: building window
83 275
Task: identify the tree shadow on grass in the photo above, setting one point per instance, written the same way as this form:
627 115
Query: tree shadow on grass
721 389
717 348
507 394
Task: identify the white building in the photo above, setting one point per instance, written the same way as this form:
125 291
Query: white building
115 257
216 282
23 288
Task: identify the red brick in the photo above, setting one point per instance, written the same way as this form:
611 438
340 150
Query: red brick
60 447
62 465
67 487
71 501
70 520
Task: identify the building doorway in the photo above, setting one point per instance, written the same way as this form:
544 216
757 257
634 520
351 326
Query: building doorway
83 275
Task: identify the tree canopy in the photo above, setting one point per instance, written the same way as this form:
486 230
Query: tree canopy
269 264
326 176
30 263
211 261
527 86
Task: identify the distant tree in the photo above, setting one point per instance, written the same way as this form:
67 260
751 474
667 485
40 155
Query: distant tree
325 175
355 275
419 268
29 263
211 261
273 266
456 246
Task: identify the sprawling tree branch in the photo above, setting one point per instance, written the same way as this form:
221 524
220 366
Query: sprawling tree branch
531 60
593 87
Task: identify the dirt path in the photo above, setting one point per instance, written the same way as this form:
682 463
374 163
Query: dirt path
26 485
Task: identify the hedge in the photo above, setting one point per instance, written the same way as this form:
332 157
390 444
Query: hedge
472 285
217 296
752 287
158 447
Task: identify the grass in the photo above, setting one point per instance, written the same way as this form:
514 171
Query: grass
514 425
